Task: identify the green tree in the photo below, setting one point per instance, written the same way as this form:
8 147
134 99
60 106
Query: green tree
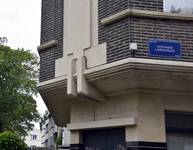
10 141
18 79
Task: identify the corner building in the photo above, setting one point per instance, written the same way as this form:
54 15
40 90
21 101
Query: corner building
118 73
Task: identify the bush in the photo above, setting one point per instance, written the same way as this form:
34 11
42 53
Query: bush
10 141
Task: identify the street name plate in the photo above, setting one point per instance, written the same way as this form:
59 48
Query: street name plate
164 48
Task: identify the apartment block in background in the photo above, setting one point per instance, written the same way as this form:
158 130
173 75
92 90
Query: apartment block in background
34 138
51 132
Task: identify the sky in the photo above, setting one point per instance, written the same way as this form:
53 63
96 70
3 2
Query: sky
178 4
20 23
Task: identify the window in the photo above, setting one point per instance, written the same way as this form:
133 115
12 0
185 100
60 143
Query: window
105 139
33 136
179 131
179 6
46 128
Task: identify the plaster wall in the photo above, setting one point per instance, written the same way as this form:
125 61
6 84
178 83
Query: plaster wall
115 107
148 108
151 115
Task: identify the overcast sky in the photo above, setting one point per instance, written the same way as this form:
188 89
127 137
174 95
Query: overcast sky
178 4
20 23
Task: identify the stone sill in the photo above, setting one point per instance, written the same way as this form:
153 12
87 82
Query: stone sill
145 13
132 121
47 45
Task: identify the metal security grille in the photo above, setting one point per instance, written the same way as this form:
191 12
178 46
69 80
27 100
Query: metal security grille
108 139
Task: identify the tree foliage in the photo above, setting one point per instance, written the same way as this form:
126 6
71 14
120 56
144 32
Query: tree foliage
10 141
18 79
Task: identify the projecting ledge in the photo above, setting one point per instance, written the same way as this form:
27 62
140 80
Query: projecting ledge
117 78
119 67
132 121
47 45
145 13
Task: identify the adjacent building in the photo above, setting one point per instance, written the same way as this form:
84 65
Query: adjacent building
118 73
51 134
34 138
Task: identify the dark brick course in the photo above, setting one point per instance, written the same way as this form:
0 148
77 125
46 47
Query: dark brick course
51 29
143 29
119 34
153 5
47 64
117 38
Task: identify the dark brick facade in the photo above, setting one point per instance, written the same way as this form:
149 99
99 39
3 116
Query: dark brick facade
110 7
51 29
117 35
143 29
139 30
153 5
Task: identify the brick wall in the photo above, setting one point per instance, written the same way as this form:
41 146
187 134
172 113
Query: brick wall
154 5
143 29
119 34
117 37
110 7
51 29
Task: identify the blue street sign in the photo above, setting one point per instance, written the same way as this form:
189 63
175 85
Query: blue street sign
164 48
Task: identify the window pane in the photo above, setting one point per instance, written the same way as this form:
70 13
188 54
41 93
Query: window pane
179 6
179 141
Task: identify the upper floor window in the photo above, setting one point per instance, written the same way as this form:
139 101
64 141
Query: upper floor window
33 136
179 6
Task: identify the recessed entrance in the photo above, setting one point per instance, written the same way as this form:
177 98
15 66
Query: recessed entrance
106 139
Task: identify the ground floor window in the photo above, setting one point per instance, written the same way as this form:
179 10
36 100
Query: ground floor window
106 139
179 131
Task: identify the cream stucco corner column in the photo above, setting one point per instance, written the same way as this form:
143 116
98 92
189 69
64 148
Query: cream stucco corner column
150 129
76 140
151 118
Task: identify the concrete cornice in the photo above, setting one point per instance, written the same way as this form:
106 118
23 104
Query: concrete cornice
137 63
53 84
47 45
131 75
103 124
119 67
145 13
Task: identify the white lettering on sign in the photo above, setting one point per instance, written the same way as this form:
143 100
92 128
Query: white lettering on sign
163 48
